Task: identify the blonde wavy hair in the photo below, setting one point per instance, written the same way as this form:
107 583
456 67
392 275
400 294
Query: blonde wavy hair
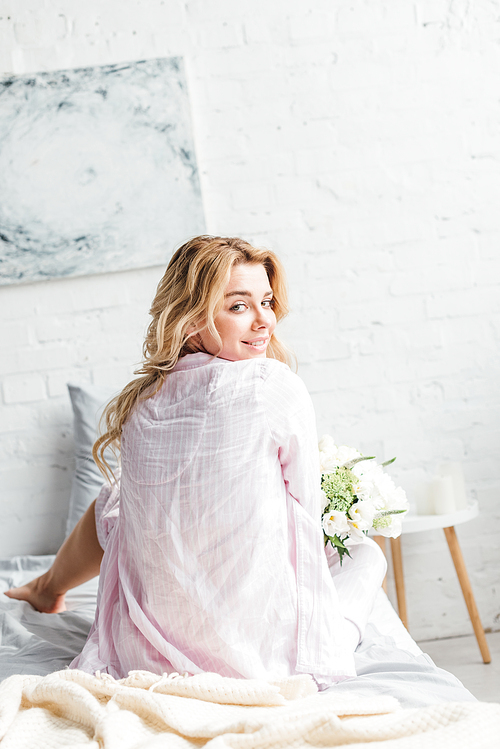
187 301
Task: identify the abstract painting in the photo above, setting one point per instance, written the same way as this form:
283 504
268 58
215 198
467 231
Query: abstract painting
97 170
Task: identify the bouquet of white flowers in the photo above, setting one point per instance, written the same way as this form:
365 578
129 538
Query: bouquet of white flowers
358 496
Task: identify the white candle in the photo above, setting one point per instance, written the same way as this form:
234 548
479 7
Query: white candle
422 499
441 495
456 472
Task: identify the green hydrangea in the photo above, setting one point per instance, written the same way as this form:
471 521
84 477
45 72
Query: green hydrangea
338 487
382 522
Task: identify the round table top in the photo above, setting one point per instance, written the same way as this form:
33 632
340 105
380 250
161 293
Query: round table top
416 523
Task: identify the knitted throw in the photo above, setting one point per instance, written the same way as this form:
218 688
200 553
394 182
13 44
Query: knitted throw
144 711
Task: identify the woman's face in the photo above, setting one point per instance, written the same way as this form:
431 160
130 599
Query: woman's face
247 320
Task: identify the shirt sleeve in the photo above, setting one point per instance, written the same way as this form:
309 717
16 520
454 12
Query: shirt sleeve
107 509
292 423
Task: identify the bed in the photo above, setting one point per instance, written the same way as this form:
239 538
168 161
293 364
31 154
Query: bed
388 661
391 667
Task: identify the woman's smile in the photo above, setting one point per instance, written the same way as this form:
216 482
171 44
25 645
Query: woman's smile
258 343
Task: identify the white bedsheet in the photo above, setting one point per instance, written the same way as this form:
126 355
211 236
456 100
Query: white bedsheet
388 661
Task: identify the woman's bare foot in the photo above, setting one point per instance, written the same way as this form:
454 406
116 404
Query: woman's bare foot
39 595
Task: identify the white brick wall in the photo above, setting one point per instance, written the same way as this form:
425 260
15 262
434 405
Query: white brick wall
360 140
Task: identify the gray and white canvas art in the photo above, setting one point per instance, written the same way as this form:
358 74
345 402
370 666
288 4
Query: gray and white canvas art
97 170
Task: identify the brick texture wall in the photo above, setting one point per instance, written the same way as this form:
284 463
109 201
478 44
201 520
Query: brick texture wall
361 141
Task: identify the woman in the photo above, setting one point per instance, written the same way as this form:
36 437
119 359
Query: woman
213 549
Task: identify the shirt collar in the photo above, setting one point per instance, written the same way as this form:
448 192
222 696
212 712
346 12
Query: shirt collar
193 361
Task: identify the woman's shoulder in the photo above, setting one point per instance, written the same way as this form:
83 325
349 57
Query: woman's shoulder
230 379
277 377
263 369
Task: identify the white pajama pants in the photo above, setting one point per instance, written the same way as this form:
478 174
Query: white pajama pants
357 581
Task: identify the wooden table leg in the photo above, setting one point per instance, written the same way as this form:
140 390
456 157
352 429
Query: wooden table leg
463 578
397 563
381 542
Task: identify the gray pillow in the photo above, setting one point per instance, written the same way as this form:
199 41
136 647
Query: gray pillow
88 402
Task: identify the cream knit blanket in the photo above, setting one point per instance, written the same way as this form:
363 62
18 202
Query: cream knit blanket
73 709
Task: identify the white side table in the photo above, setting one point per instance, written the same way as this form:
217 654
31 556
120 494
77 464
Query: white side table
419 523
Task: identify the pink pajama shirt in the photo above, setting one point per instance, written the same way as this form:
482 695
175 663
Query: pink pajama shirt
214 557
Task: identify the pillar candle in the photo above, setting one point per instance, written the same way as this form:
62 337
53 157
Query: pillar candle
422 499
442 495
456 472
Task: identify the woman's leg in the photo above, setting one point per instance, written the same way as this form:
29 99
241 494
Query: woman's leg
358 581
78 560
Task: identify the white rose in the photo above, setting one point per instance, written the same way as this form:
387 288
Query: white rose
327 453
387 495
345 454
327 445
331 456
368 470
327 462
335 523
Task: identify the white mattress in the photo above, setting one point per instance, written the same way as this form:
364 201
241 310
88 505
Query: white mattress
388 661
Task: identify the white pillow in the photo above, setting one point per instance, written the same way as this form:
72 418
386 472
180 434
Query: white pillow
88 402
